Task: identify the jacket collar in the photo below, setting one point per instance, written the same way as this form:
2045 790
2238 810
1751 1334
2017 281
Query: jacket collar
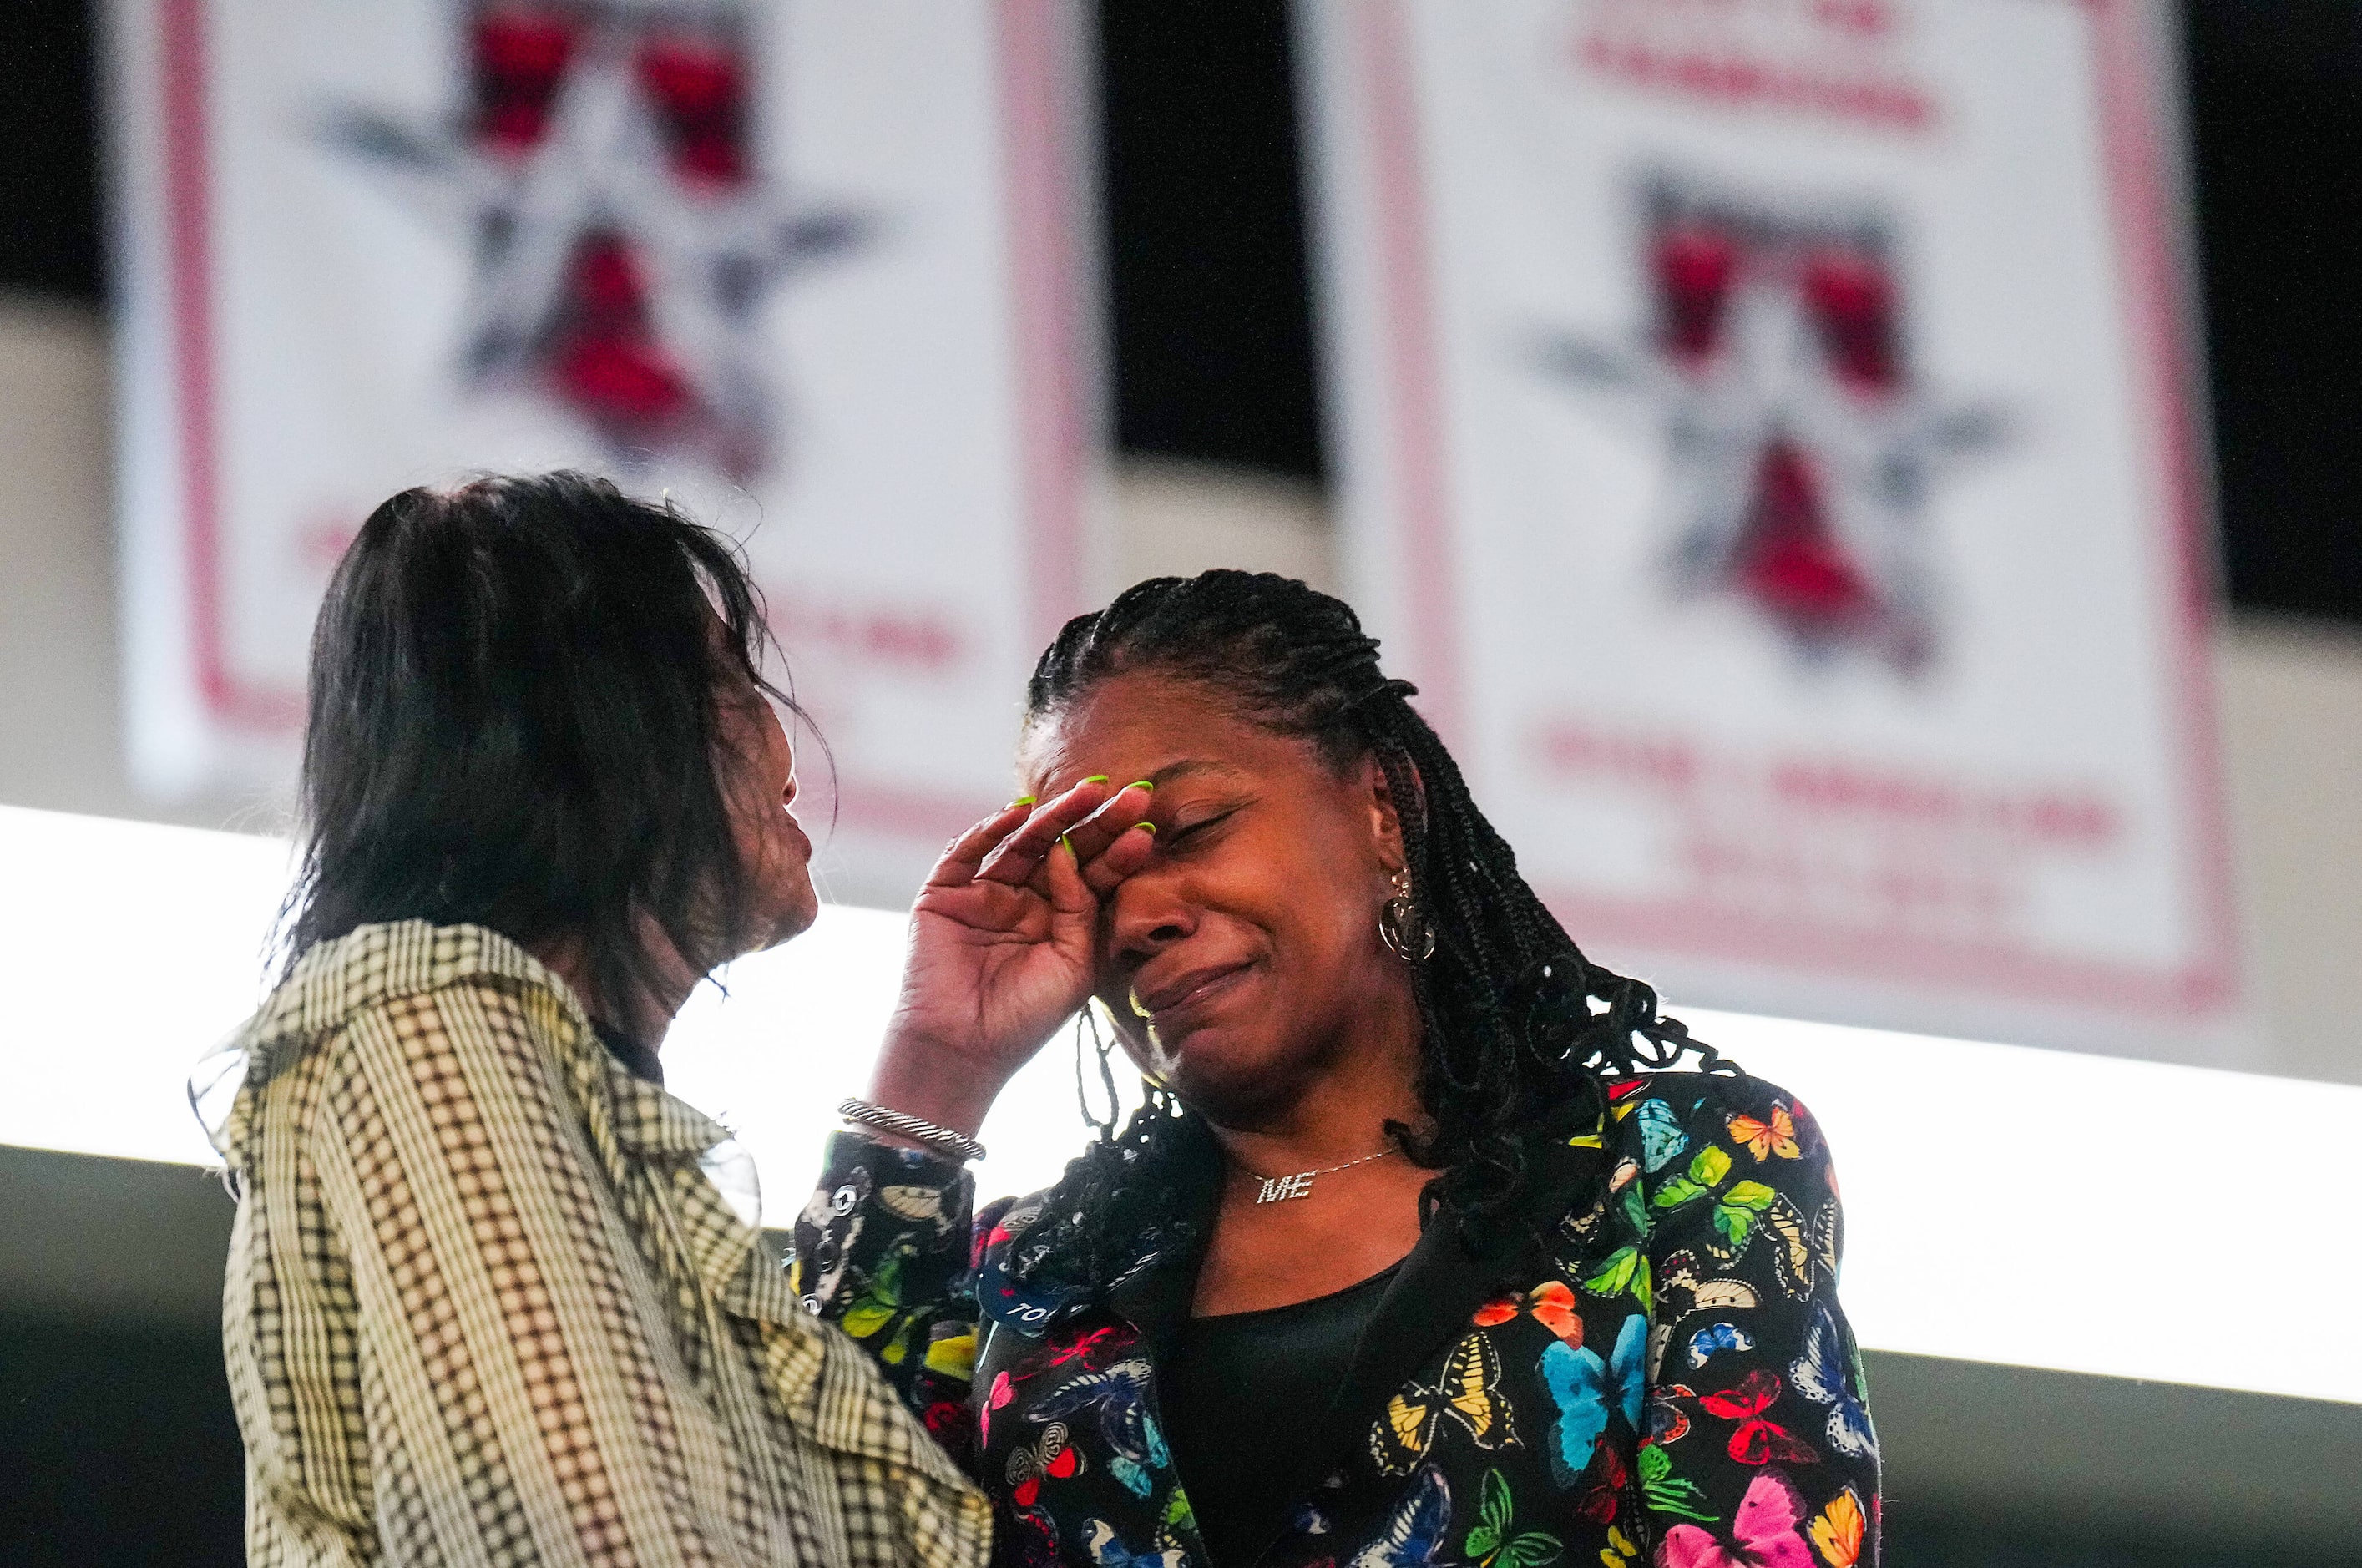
371 965
1440 1285
1157 1299
374 964
1442 1282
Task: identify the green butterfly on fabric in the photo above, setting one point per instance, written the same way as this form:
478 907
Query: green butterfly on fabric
1626 1268
1737 1211
1493 1541
879 1303
1668 1493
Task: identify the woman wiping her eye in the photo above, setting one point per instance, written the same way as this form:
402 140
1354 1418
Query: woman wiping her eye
1428 1245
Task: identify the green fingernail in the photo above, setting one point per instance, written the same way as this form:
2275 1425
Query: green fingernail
1021 800
1148 828
1069 843
1096 778
1142 784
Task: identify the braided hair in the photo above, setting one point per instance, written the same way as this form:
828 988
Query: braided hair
1515 1022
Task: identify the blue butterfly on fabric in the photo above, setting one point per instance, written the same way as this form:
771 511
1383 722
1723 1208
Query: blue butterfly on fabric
1416 1530
1662 1138
1117 1395
1135 1480
1108 1549
1718 1337
1587 1388
1823 1376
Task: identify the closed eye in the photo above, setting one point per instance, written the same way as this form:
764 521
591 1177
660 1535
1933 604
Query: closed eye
1180 834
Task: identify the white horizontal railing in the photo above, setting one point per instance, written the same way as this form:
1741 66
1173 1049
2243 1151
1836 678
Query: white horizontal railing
2031 1208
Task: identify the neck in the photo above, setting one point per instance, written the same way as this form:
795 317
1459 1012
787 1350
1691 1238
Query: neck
647 1013
1339 1113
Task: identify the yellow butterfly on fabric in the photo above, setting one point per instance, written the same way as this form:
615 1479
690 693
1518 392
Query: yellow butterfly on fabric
1805 1251
1764 1139
1468 1395
1838 1534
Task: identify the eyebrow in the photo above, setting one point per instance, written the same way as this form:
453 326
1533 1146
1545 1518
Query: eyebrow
1188 767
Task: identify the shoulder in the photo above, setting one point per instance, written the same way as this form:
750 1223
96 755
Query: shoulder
1652 1112
406 990
409 965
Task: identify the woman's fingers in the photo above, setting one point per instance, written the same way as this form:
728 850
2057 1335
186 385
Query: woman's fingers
1122 812
1128 852
1070 896
1020 853
959 863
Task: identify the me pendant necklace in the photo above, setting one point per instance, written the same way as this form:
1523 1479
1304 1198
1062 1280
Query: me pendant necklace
1280 1188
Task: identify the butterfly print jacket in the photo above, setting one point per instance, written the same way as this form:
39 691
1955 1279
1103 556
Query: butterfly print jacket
1673 1385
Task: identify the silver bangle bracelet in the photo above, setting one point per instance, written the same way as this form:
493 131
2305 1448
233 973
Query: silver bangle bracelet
916 1129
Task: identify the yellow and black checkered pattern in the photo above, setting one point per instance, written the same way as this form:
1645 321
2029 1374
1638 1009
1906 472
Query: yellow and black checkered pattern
486 1308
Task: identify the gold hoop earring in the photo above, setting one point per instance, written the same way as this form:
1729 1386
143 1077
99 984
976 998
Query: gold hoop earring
1407 934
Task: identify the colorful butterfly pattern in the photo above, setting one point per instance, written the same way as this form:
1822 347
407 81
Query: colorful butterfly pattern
1829 1372
1468 1395
1550 1302
1755 1439
1415 1529
1588 1390
1717 1337
1496 1541
1764 1534
1671 1386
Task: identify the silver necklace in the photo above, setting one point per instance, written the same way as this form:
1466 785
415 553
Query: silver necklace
1279 1190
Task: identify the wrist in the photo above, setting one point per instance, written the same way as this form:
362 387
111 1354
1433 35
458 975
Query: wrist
935 1085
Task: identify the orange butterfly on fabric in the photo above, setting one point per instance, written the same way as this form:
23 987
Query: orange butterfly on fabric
1838 1534
1764 1139
1550 1302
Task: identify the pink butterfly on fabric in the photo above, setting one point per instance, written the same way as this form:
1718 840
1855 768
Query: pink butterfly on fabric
1764 1533
1002 1392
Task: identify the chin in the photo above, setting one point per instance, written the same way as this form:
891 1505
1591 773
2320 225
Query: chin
789 911
796 921
1227 1079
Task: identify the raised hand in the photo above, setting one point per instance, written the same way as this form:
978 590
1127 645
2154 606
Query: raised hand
1002 947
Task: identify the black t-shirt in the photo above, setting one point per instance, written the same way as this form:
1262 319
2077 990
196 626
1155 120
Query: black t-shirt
1238 1392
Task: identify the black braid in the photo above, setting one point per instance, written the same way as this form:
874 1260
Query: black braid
1517 1021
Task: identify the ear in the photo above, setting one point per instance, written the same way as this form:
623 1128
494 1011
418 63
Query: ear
1386 813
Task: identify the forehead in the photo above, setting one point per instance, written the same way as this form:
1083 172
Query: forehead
1148 726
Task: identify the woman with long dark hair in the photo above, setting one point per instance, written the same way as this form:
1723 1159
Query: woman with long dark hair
489 1300
1435 1243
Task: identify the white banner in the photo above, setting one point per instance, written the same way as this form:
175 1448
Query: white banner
1767 435
810 268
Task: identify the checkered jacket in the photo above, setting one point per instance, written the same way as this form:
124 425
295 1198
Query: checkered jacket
486 1305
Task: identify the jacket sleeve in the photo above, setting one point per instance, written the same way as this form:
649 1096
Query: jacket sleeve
526 1391
1756 1430
886 1250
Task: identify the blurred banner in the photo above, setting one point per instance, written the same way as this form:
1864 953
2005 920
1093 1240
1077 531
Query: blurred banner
1766 431
811 269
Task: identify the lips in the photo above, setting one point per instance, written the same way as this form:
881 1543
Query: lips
1175 1002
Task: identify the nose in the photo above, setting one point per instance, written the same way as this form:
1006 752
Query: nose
787 750
1147 913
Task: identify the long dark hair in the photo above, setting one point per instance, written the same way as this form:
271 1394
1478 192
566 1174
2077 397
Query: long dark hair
515 723
1517 1021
